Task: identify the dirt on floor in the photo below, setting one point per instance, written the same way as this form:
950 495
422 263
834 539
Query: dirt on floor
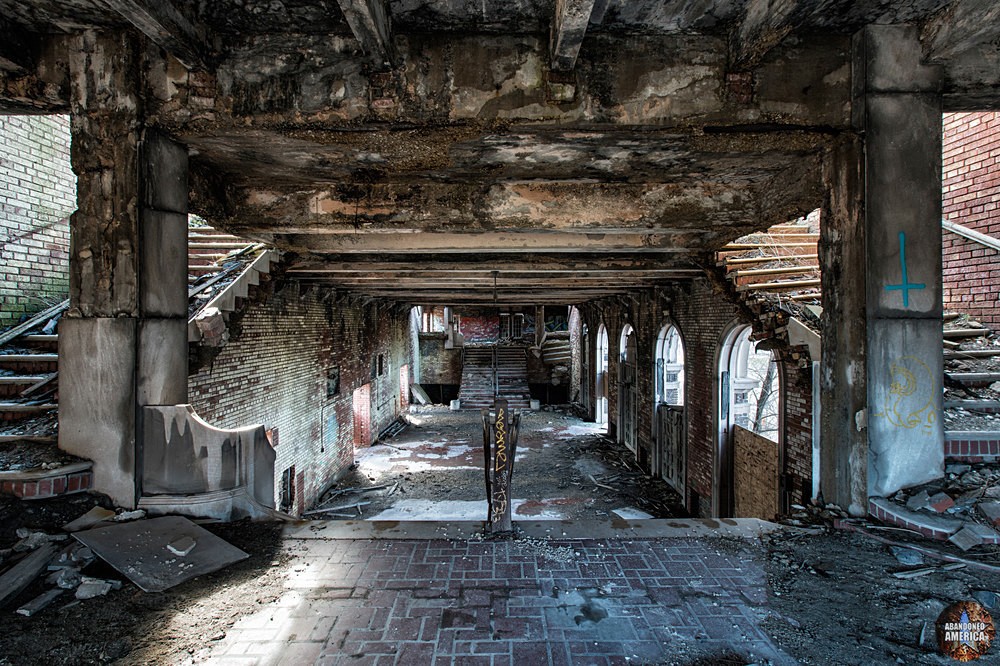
128 626
564 468
834 600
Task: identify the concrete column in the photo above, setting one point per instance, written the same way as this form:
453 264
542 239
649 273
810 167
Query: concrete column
122 342
897 367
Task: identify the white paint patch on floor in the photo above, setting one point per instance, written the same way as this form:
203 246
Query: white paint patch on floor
630 513
419 509
577 430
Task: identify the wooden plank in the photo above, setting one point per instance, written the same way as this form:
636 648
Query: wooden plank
41 383
22 574
44 315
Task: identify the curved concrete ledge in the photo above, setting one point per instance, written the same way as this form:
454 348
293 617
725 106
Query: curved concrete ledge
193 468
223 504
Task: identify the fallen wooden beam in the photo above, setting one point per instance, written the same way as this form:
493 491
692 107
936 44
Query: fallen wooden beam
34 321
22 574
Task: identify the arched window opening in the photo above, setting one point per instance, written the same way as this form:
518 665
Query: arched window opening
669 367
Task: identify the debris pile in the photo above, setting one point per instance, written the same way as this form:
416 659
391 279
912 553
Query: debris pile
965 503
155 554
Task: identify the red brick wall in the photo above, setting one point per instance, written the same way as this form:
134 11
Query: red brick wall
971 171
37 195
796 384
479 326
703 317
275 372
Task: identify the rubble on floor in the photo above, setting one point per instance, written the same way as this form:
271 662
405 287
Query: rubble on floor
155 554
24 456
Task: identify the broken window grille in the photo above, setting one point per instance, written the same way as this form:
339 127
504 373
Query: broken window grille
288 489
333 382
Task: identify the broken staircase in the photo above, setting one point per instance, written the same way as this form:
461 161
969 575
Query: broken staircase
221 268
476 391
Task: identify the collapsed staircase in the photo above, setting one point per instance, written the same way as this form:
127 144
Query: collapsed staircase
220 266
476 390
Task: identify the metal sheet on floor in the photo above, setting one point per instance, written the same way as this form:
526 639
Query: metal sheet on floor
140 550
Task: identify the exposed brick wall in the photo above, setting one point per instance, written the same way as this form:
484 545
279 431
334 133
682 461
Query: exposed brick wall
797 397
37 196
437 364
479 326
275 372
703 317
971 187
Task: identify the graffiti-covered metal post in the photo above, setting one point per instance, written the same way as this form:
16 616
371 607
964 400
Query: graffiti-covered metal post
499 447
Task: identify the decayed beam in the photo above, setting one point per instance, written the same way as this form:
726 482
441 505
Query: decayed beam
961 26
569 25
166 26
502 242
369 21
492 261
765 24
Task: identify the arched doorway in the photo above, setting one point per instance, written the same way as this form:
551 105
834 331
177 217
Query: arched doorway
669 431
749 435
601 378
627 393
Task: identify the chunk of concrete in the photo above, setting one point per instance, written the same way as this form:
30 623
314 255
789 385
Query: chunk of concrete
65 579
126 516
991 510
907 556
182 546
918 501
989 600
92 587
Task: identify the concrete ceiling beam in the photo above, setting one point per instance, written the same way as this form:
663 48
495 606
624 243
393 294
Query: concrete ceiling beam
491 261
369 21
168 27
960 27
502 242
569 26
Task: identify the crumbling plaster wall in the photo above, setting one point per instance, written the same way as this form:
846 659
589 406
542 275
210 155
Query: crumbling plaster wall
37 196
971 187
275 372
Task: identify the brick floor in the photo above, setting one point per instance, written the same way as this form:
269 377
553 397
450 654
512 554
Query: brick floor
571 601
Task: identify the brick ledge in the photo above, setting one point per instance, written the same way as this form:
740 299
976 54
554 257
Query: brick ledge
938 528
43 484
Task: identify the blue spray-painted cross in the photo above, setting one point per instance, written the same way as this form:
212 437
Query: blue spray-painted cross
906 285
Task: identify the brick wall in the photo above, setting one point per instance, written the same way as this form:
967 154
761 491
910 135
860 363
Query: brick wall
37 196
971 187
437 364
479 326
703 317
797 400
276 372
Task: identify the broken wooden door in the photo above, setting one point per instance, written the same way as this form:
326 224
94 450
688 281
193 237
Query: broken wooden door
671 438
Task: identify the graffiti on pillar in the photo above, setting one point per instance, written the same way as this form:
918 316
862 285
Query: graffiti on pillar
905 285
909 402
499 448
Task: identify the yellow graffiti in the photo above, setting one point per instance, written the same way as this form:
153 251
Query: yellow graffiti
909 402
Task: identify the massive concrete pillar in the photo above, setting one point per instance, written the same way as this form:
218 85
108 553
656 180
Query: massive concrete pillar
122 342
897 367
